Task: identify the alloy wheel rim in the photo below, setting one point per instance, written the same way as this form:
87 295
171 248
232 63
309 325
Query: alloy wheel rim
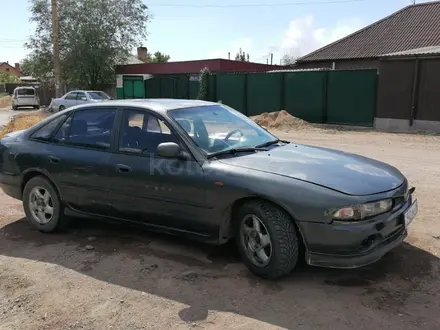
41 205
256 240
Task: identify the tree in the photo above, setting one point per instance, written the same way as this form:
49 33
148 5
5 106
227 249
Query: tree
94 35
7 78
40 66
288 59
158 57
242 56
204 84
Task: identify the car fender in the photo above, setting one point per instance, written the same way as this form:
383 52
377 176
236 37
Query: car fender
42 172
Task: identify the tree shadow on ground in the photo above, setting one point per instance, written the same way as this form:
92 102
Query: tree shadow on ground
213 278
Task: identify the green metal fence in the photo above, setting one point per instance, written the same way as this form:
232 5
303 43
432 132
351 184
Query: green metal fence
351 97
231 90
305 95
264 92
337 97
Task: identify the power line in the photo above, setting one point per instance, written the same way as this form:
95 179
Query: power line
326 2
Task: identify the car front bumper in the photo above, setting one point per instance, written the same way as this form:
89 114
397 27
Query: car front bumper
11 185
353 245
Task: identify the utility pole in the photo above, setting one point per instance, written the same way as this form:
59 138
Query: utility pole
56 49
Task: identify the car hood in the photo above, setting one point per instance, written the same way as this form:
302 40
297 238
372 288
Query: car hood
348 173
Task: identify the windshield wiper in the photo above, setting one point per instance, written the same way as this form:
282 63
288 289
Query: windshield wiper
235 150
269 143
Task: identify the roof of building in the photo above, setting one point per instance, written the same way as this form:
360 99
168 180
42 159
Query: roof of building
412 27
7 63
215 65
424 51
132 59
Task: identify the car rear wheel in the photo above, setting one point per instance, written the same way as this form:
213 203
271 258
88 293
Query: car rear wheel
267 240
61 108
42 205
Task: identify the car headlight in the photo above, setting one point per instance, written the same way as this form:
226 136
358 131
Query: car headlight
362 211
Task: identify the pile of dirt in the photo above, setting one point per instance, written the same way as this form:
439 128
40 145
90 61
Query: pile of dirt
280 120
21 122
5 102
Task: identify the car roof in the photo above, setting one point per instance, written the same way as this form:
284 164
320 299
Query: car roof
83 90
25 87
158 105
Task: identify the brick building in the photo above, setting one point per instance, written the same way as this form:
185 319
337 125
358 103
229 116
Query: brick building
12 70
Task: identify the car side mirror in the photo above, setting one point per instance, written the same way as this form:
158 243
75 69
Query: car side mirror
171 150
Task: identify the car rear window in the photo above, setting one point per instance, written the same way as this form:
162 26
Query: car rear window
26 92
99 96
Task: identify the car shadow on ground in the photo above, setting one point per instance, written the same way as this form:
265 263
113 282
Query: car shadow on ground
213 278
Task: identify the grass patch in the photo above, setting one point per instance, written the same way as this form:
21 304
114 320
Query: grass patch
21 122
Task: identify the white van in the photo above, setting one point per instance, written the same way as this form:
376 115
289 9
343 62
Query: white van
25 97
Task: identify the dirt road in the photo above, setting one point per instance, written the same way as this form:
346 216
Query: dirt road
102 276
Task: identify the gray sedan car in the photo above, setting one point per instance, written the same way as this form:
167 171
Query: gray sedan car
79 97
205 171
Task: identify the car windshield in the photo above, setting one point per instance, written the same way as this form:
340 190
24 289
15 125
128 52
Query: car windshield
218 128
99 96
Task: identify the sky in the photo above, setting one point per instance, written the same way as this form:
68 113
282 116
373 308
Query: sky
202 29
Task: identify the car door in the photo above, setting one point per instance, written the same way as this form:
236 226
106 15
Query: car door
69 100
79 159
154 190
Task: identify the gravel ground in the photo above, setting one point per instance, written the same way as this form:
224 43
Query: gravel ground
105 276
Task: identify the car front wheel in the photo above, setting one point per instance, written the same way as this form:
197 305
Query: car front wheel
61 108
267 240
42 205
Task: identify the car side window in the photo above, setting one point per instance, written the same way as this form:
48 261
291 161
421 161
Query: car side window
45 133
71 96
142 132
91 128
80 96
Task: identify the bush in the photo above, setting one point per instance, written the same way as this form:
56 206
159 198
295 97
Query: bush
204 84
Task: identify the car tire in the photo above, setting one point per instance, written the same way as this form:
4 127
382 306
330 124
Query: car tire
282 235
36 107
44 214
61 108
14 107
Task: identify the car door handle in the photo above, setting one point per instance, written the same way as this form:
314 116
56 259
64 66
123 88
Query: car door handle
123 168
54 160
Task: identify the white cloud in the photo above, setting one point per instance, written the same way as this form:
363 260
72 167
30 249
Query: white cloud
301 37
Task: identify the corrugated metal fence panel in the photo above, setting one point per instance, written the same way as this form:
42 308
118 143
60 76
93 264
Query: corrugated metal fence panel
182 87
212 89
429 95
152 88
351 97
263 92
305 95
231 90
193 89
167 87
394 91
